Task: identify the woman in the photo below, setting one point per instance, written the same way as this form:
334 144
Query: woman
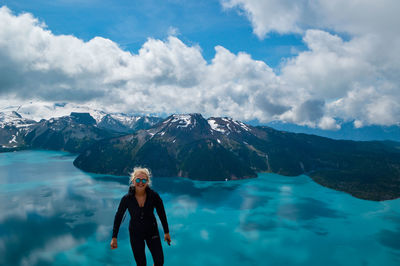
140 202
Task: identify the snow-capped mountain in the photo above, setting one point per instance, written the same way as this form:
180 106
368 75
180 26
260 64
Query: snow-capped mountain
221 149
227 125
72 132
13 118
120 122
13 128
39 110
183 127
127 123
189 126
181 145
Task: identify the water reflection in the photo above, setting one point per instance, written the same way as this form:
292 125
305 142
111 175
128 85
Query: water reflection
26 236
54 214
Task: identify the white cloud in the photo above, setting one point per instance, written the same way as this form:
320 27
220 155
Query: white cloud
173 31
355 79
275 15
288 16
164 77
328 123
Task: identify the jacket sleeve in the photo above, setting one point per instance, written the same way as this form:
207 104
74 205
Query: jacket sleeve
161 212
118 216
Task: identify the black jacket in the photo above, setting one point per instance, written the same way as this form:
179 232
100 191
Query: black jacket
142 222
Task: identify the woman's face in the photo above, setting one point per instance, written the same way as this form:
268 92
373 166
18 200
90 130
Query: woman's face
141 185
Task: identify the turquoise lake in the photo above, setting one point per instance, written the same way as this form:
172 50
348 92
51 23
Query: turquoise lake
52 213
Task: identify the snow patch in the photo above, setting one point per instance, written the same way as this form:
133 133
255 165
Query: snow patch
126 119
244 126
215 126
228 121
183 120
23 125
13 139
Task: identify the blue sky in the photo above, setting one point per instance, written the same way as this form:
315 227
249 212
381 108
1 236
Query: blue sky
316 63
129 23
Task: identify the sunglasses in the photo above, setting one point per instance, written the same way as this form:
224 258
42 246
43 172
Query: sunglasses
144 181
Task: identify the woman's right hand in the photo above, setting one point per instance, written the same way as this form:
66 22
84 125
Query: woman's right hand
167 238
114 244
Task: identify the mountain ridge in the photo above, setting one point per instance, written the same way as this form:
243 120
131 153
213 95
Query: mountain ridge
224 149
71 133
217 148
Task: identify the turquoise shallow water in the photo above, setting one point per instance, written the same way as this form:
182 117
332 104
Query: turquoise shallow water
54 214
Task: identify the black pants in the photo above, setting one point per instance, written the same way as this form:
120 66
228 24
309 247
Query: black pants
154 245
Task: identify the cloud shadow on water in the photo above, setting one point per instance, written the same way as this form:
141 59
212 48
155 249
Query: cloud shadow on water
303 212
308 209
111 179
390 239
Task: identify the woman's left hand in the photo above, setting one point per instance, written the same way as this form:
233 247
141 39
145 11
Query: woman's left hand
167 238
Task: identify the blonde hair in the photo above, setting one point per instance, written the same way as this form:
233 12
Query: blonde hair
138 170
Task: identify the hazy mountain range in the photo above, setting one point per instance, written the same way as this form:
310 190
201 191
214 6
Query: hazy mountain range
347 131
72 133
